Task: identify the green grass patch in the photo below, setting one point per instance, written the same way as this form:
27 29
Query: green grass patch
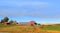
57 28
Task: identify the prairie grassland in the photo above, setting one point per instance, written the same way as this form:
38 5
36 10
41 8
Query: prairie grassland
21 29
25 29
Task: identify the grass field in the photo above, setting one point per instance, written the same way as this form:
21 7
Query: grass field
20 29
29 29
54 28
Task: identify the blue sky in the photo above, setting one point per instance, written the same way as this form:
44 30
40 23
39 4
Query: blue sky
41 11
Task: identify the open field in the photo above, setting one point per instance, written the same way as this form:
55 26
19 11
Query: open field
21 29
28 29
54 28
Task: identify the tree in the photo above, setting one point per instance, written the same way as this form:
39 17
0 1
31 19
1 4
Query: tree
38 24
35 23
2 21
11 21
5 19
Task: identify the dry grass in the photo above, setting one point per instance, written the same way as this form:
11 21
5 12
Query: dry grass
25 29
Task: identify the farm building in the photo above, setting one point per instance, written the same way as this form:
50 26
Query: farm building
27 23
5 23
23 24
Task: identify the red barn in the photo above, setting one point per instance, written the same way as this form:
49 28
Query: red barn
32 22
5 23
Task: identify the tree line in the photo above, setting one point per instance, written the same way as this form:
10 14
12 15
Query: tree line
6 19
